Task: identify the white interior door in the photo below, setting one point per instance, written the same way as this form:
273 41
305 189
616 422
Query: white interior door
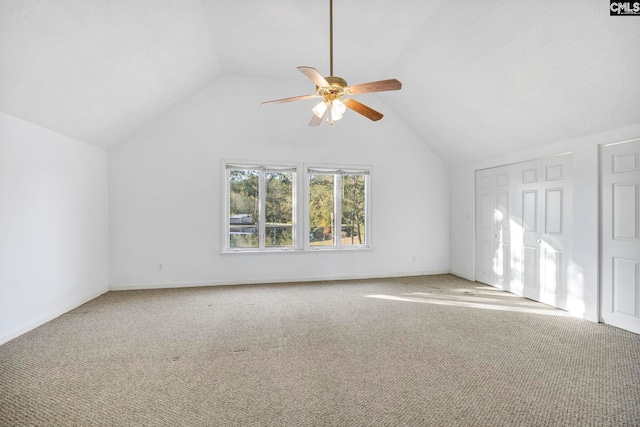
620 235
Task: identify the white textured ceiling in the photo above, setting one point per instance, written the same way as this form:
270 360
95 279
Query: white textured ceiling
480 78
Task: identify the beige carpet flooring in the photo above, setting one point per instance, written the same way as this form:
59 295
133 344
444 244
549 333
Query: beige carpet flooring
413 351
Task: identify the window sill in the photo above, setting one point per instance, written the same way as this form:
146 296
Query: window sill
298 251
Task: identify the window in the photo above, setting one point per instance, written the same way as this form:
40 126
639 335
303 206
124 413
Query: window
269 207
338 208
260 208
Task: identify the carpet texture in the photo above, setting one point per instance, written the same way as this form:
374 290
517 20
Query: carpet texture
412 351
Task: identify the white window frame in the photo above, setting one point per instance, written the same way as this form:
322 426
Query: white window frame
337 171
300 213
263 168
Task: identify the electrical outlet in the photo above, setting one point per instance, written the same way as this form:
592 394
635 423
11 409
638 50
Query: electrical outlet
411 258
159 267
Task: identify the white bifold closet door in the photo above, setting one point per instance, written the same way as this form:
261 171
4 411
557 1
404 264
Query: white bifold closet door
523 228
620 235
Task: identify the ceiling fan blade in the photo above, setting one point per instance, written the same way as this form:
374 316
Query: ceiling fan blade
315 120
293 98
379 86
314 76
359 107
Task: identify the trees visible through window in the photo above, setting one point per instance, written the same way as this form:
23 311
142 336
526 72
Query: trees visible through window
321 210
353 210
243 208
264 213
261 210
279 209
337 207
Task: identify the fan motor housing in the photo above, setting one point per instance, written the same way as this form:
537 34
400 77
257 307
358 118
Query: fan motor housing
337 88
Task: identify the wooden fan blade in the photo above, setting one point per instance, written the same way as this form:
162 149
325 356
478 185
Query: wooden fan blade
314 76
315 120
293 98
359 107
379 86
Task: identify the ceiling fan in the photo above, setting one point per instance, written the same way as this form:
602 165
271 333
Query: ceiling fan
334 90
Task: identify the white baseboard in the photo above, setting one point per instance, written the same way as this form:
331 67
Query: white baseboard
586 316
52 315
139 286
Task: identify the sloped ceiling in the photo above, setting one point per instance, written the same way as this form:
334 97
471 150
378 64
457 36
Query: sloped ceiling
480 78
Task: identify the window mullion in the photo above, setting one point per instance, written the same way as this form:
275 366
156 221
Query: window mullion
227 210
337 197
261 209
367 216
295 236
304 212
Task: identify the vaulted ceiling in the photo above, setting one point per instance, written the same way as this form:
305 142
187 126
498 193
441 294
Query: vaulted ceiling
480 78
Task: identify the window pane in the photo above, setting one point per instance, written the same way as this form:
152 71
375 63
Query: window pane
243 208
279 209
321 210
353 210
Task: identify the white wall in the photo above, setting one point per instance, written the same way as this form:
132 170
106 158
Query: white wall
53 225
165 189
583 285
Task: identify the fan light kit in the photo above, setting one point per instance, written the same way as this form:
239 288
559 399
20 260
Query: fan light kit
333 90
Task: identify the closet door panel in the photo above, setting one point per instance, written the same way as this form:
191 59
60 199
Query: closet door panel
503 217
528 214
522 223
485 227
555 252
